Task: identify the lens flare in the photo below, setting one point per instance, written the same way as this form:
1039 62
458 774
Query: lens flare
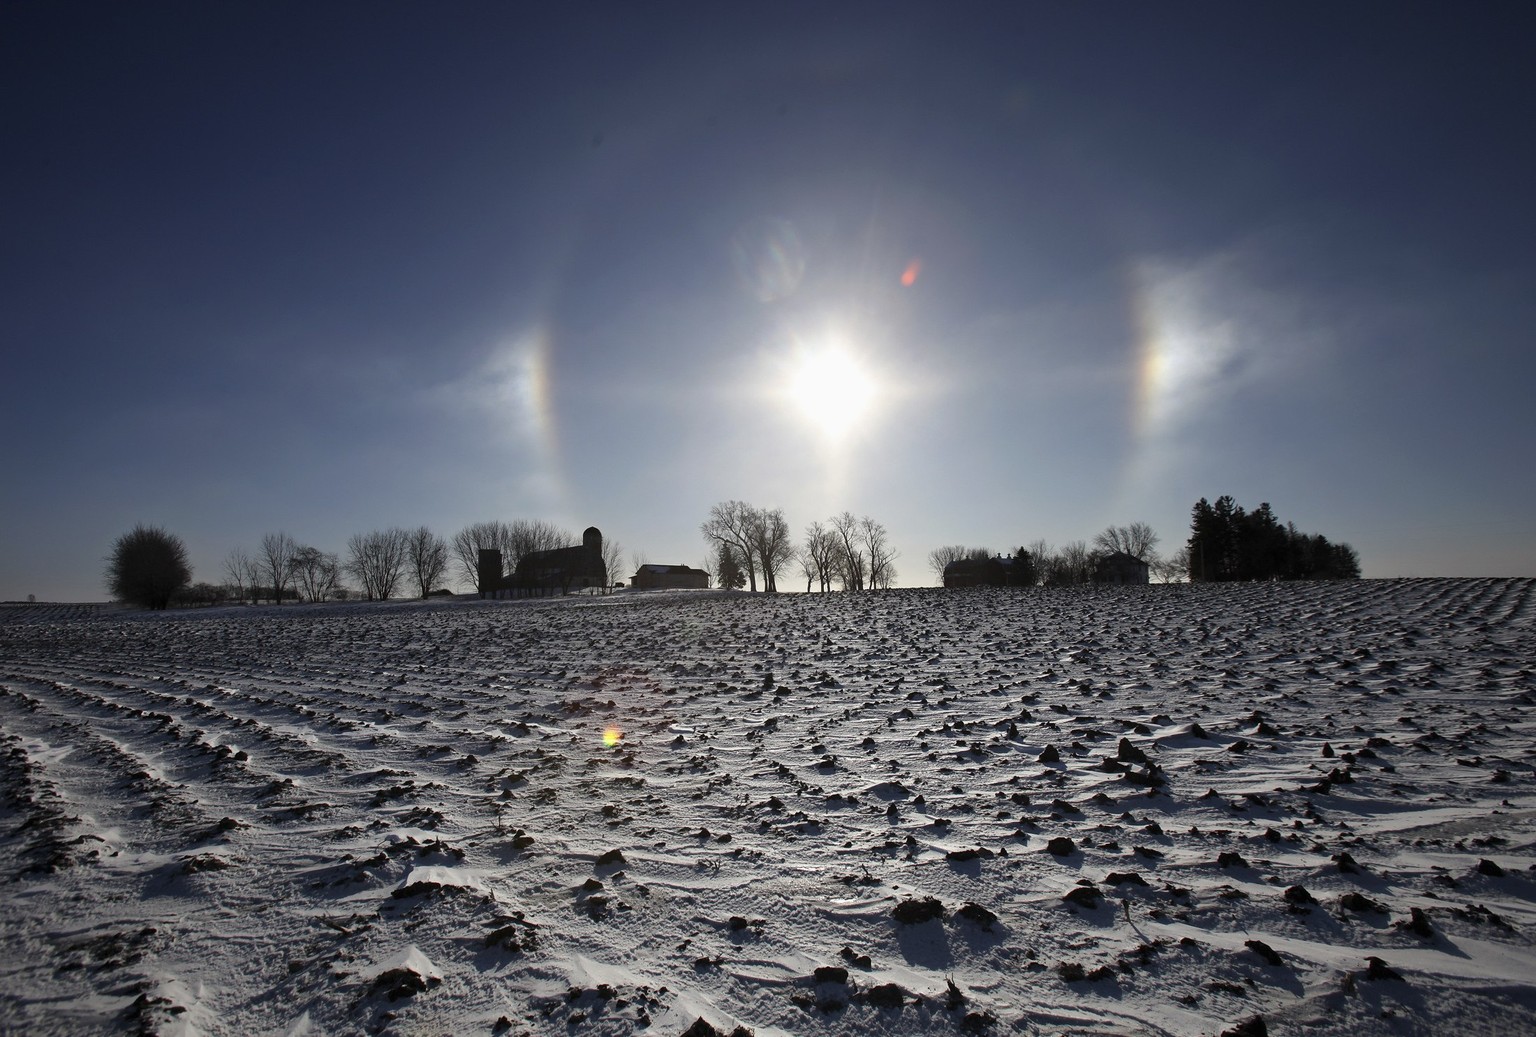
768 258
910 274
612 736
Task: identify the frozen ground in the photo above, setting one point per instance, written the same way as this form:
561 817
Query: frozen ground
1152 811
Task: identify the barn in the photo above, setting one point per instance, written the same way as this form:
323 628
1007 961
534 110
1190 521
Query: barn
559 571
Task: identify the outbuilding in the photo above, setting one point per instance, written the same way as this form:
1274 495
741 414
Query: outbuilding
1120 567
669 577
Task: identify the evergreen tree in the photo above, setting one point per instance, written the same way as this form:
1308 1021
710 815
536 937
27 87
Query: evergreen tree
1024 574
1261 546
1201 528
1228 543
729 575
1346 563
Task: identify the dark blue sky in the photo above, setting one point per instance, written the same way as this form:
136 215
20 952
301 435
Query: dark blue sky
330 268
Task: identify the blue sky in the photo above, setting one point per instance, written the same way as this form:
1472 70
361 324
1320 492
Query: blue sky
331 268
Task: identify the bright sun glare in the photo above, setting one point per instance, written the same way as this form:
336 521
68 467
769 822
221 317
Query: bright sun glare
832 390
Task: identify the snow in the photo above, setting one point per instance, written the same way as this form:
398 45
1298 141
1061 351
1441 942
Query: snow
627 814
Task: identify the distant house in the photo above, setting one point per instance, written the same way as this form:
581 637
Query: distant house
669 577
990 572
546 572
1121 568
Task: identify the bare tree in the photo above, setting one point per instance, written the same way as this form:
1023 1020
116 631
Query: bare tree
427 556
378 560
877 548
852 570
252 567
940 557
1046 560
315 573
469 541
1172 569
807 564
730 524
238 568
849 562
613 558
820 550
526 537
276 561
1074 565
1136 540
768 535
253 578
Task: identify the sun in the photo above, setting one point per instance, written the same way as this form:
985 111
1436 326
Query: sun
831 389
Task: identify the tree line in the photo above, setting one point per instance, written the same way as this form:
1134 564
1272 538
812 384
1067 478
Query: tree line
380 561
1228 543
1040 564
751 544
148 566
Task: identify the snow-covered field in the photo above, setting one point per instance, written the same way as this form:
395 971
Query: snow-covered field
1163 810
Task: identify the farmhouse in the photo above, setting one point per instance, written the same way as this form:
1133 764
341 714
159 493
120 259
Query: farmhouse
669 577
1121 568
546 572
988 572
